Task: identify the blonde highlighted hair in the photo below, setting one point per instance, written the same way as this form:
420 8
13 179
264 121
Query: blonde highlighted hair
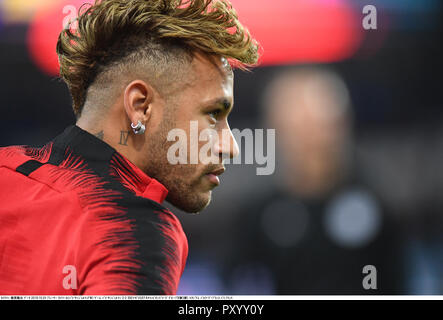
115 32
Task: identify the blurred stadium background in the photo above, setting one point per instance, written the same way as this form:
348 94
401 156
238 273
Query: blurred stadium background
358 118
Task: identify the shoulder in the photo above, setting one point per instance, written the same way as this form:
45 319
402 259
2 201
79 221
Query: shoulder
136 243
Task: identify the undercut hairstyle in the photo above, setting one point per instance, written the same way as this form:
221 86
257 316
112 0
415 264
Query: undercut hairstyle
114 37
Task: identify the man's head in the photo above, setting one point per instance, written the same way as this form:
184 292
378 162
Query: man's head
163 63
310 108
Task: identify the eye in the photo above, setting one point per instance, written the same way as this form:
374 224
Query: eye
214 113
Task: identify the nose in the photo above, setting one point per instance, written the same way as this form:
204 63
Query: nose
227 146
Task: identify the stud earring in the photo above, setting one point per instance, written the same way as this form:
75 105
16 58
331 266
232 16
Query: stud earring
139 128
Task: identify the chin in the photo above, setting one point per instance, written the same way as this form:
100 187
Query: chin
194 203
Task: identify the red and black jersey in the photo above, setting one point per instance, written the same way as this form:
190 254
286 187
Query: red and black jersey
78 205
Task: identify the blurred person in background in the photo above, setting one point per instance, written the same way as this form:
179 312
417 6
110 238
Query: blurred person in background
320 224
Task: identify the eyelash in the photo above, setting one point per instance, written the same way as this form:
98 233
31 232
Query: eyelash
214 113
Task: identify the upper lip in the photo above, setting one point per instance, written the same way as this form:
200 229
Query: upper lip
218 171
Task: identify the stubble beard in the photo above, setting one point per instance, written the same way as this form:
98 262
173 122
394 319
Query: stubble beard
181 180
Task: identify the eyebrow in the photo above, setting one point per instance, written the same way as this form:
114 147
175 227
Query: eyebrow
224 102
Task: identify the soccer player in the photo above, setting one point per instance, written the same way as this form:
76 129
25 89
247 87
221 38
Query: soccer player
83 214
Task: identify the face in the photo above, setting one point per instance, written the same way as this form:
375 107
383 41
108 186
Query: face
311 119
205 100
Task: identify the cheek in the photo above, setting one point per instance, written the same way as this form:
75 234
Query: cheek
159 119
207 141
200 139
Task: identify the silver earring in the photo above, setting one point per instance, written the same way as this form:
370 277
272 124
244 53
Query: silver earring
139 128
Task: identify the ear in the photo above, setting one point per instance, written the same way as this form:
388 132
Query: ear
138 99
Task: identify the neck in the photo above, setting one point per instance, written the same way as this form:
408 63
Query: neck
117 135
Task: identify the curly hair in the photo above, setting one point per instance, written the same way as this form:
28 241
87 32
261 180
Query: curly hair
123 33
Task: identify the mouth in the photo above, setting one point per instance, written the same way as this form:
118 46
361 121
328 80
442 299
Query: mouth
213 175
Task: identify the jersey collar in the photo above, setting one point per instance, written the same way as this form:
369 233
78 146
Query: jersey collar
106 161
